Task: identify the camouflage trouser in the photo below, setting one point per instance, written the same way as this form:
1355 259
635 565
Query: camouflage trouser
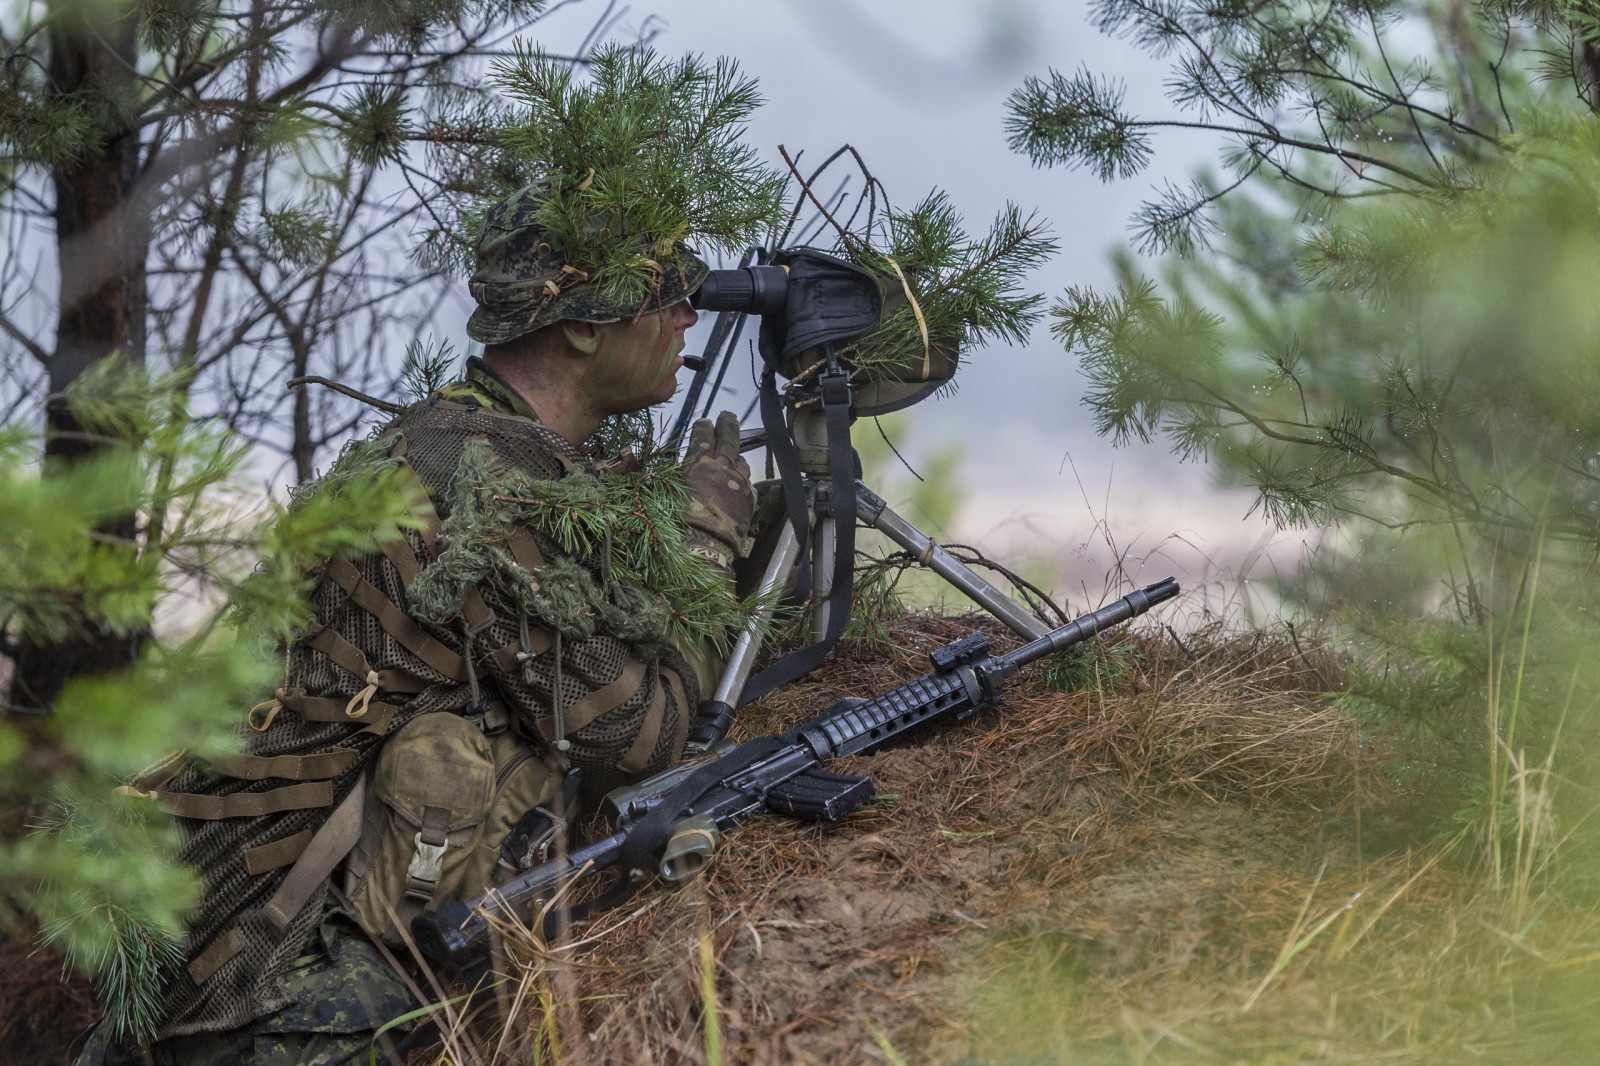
342 996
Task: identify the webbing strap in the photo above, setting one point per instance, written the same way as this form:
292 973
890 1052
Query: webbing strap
375 716
396 622
421 503
473 609
160 773
398 551
259 860
644 742
842 503
539 642
525 550
245 804
780 443
218 953
606 699
325 851
345 655
318 767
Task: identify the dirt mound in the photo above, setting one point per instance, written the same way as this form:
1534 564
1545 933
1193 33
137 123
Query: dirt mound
1102 847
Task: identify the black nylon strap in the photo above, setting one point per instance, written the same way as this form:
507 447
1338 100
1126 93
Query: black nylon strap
780 442
836 401
648 835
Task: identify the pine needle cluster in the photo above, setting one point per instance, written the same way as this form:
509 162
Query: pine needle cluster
945 290
639 155
627 571
1347 99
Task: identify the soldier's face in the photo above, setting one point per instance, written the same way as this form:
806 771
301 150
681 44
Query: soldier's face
636 364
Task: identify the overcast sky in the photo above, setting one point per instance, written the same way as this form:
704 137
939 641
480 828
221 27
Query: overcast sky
919 87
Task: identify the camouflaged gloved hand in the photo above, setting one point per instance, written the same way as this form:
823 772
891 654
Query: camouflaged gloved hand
721 502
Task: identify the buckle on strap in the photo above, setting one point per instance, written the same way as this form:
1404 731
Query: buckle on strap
835 387
427 864
489 718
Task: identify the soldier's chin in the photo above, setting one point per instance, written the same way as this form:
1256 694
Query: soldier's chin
664 391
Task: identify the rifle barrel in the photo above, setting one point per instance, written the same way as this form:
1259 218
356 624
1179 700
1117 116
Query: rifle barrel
452 934
1082 628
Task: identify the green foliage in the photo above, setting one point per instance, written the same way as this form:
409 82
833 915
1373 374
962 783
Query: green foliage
1382 385
377 128
652 589
113 900
966 290
101 877
167 25
428 368
876 607
1411 343
1093 666
619 433
1077 120
1344 100
639 153
51 130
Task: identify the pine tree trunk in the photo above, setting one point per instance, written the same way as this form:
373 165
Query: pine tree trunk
101 243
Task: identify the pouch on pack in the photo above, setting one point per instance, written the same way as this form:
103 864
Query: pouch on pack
443 798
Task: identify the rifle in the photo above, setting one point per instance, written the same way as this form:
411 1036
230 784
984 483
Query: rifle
673 821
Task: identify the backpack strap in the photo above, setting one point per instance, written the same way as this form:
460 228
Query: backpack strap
394 621
241 804
326 849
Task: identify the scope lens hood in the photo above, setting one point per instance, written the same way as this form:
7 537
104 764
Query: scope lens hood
754 290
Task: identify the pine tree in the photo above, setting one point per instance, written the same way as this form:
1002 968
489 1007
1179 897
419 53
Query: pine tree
1298 339
1381 319
213 596
228 192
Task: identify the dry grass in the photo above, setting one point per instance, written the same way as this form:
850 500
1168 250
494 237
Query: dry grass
1102 870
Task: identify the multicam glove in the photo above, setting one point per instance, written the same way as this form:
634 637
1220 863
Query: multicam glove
721 502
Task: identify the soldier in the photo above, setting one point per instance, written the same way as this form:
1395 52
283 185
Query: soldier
452 690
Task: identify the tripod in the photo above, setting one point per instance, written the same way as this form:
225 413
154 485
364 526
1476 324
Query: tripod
813 305
818 451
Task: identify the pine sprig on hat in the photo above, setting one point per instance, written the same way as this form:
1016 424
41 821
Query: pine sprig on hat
638 154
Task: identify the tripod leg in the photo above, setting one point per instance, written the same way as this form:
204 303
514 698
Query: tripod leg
823 547
877 514
714 716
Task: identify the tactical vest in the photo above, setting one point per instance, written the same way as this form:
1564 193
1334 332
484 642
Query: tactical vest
267 829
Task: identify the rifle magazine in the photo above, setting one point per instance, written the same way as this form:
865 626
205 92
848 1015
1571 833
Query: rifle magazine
819 796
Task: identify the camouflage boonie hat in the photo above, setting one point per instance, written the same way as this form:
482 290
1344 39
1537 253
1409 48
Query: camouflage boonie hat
522 283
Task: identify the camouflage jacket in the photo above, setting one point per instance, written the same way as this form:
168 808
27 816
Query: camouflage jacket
364 667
